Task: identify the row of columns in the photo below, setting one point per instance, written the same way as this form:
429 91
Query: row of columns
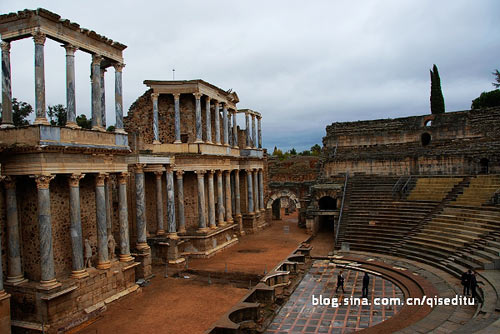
229 135
97 85
254 135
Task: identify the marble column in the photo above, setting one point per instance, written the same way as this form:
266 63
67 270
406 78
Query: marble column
235 130
123 218
229 215
180 199
202 222
237 198
39 39
107 197
211 200
96 93
208 120
220 200
102 233
75 229
247 124
172 229
229 129
159 204
6 87
253 132
199 126
154 98
259 131
233 209
256 190
250 208
177 118
261 189
140 204
14 268
48 276
224 125
70 86
103 99
217 122
119 97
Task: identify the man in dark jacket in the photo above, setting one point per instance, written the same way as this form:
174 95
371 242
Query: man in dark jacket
366 282
473 285
340 282
466 277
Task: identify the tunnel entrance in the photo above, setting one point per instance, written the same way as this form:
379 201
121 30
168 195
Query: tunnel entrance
327 203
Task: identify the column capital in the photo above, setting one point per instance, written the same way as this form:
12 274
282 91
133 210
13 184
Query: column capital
219 172
5 46
177 96
179 173
43 181
70 49
154 96
99 179
208 98
96 59
139 168
253 116
39 37
211 171
199 173
74 180
198 95
118 66
158 174
9 182
122 178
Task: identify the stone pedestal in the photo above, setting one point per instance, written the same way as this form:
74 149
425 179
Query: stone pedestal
144 269
4 313
208 244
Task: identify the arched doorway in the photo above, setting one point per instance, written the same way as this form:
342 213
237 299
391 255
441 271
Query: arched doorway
327 203
276 209
484 166
425 139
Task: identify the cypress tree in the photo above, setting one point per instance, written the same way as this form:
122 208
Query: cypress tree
437 100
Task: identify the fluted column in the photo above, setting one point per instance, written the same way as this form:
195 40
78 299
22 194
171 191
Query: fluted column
14 269
211 200
224 124
237 198
6 87
172 230
217 122
180 199
220 200
261 189
159 204
199 127
259 131
39 39
75 229
247 130
254 142
102 233
177 118
208 121
119 97
103 99
48 277
256 190
250 191
140 204
235 130
96 93
202 221
229 215
154 98
123 218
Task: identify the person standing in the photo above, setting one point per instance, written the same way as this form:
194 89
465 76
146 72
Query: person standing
366 282
465 280
340 282
473 285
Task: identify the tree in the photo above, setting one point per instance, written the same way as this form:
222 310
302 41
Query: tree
111 128
57 115
316 150
437 100
20 110
293 151
83 122
497 79
487 99
305 153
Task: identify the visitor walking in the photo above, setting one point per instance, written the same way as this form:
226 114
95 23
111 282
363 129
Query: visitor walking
473 285
466 277
366 282
340 282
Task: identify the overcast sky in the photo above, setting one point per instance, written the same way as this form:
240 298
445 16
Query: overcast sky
303 65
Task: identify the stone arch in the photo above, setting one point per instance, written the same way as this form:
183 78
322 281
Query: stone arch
282 193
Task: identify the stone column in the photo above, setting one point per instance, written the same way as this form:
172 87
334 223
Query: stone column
202 222
154 98
177 118
250 191
208 121
140 203
123 218
233 209
229 129
199 126
6 87
256 190
70 86
159 204
217 122
261 190
220 203
247 124
172 230
75 229
237 198
48 276
14 269
96 93
211 200
259 131
235 130
253 132
102 233
229 215
41 118
119 97
103 99
224 124
107 197
180 198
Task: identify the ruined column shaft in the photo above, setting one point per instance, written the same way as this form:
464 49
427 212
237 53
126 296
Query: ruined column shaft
177 118
140 209
208 121
235 131
172 230
180 199
253 132
211 201
224 125
96 92
237 198
229 215
70 85
217 123
6 86
247 130
41 118
159 204
102 233
220 203
250 191
256 191
259 132
75 229
14 269
154 97
103 98
202 222
123 218
119 98
261 189
199 127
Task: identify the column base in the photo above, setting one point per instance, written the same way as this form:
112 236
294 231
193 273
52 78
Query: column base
98 128
72 125
236 147
213 227
229 221
156 142
199 141
160 232
203 230
172 235
50 284
222 223
247 147
208 142
79 274
177 142
15 280
121 131
104 265
227 145
142 245
3 295
41 120
126 258
181 231
218 143
6 125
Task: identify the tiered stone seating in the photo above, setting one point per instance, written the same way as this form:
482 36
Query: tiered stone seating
432 188
481 189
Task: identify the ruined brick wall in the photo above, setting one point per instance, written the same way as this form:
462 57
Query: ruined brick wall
3 231
294 169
